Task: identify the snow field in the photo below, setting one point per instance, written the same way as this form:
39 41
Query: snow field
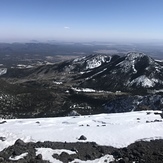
117 130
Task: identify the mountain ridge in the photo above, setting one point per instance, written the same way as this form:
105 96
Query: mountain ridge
87 85
132 71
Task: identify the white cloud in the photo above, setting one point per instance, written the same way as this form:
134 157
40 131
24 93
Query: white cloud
66 27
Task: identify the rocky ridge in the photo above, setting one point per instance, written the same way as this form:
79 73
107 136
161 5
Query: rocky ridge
124 73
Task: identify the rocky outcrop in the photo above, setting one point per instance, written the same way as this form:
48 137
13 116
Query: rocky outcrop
145 152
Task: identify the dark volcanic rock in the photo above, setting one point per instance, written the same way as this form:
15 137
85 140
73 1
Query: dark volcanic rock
144 152
82 137
2 122
39 157
19 142
2 138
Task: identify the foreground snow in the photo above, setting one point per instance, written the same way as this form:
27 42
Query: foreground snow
118 130
48 152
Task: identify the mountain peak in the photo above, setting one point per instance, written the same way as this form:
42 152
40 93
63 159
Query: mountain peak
134 56
133 62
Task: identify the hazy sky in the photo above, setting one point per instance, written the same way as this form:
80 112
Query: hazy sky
85 20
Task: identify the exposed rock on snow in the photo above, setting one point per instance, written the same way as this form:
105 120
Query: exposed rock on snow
2 138
82 137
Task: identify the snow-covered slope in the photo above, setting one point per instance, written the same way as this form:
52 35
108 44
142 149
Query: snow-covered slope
92 61
86 63
118 130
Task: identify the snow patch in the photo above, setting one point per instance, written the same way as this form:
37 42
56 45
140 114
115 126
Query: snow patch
3 71
92 61
79 59
133 55
48 152
157 91
96 74
84 90
16 158
57 82
157 60
144 82
95 61
104 159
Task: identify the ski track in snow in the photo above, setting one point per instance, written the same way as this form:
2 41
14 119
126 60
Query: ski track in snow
117 130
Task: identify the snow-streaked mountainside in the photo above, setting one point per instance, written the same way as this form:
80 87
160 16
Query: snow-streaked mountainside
92 61
117 130
84 64
130 72
112 73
